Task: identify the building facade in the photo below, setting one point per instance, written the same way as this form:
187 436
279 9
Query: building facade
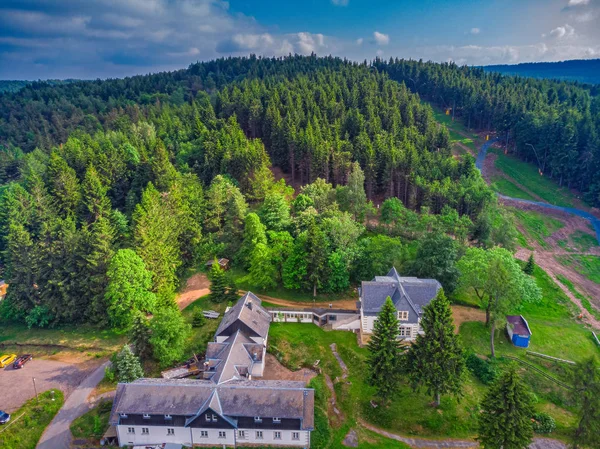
228 406
409 295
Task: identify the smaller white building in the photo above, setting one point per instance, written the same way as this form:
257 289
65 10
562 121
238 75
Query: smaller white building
409 295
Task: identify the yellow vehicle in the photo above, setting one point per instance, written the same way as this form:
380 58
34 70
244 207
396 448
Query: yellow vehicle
7 359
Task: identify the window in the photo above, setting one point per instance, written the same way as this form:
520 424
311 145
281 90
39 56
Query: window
405 331
259 435
277 435
221 434
403 315
257 419
131 430
332 317
170 431
146 416
168 417
207 416
145 431
204 433
122 415
295 435
276 420
241 434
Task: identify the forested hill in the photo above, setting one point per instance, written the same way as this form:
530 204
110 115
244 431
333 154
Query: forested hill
17 85
134 182
586 71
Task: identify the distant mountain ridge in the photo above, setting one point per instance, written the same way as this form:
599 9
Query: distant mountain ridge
585 71
17 85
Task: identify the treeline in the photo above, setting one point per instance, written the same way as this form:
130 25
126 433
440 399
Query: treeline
580 70
555 125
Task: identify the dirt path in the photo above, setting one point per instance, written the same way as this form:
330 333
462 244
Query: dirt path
195 287
462 314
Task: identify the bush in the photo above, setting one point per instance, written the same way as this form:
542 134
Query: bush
198 319
484 370
543 423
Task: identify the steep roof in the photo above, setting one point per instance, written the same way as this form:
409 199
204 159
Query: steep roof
281 399
414 291
519 325
249 311
233 358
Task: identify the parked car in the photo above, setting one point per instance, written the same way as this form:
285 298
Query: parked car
22 360
4 417
7 359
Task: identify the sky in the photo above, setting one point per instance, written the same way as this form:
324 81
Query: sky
57 39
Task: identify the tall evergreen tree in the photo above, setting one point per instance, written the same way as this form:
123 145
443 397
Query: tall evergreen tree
530 265
254 233
218 282
507 411
435 360
127 366
139 335
385 352
586 380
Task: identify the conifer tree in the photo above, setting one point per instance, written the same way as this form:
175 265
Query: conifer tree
529 266
384 352
275 212
507 411
218 282
435 361
586 380
127 366
254 233
139 336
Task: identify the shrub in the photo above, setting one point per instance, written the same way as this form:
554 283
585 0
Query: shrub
484 370
198 319
543 423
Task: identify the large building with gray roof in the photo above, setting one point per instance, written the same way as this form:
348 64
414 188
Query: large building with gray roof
228 406
409 295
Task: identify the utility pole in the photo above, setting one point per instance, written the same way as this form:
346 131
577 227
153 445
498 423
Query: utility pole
35 389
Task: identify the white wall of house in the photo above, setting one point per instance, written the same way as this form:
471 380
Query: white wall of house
286 437
213 439
280 316
155 435
367 322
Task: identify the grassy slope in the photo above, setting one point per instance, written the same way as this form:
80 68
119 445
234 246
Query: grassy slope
92 424
505 187
585 302
537 226
457 132
26 430
588 266
527 175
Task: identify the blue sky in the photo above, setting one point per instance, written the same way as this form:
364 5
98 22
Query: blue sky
42 39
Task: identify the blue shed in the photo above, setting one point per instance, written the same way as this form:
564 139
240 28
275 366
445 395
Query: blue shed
518 330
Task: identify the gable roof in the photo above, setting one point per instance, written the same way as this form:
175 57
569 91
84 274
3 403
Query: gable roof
417 293
249 311
233 358
519 324
281 399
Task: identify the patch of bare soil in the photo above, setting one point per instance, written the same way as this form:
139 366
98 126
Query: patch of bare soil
462 314
349 304
276 371
196 286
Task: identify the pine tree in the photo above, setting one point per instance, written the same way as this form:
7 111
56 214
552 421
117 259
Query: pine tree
139 336
218 283
263 272
317 254
384 352
275 212
529 266
586 380
127 366
507 411
254 233
435 361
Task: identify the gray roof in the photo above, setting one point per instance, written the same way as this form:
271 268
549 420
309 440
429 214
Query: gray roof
404 291
233 358
519 325
249 311
281 399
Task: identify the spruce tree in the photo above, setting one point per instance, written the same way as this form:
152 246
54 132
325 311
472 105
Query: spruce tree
384 352
507 411
435 361
529 266
127 366
587 387
139 336
218 282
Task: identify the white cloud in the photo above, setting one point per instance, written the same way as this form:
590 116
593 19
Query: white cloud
359 41
308 43
379 53
475 31
563 31
340 2
380 38
578 2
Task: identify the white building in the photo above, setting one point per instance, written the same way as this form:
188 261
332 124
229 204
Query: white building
409 295
225 408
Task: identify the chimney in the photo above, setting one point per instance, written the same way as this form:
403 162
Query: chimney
249 304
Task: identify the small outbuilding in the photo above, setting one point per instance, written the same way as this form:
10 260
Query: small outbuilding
223 262
518 330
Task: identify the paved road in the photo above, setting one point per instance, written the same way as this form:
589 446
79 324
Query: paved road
58 435
570 210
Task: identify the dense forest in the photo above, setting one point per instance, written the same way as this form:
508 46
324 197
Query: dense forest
586 71
110 218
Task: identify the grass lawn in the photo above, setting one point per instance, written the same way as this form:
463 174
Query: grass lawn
527 175
537 226
243 283
28 423
588 266
93 424
505 187
202 335
585 302
458 132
